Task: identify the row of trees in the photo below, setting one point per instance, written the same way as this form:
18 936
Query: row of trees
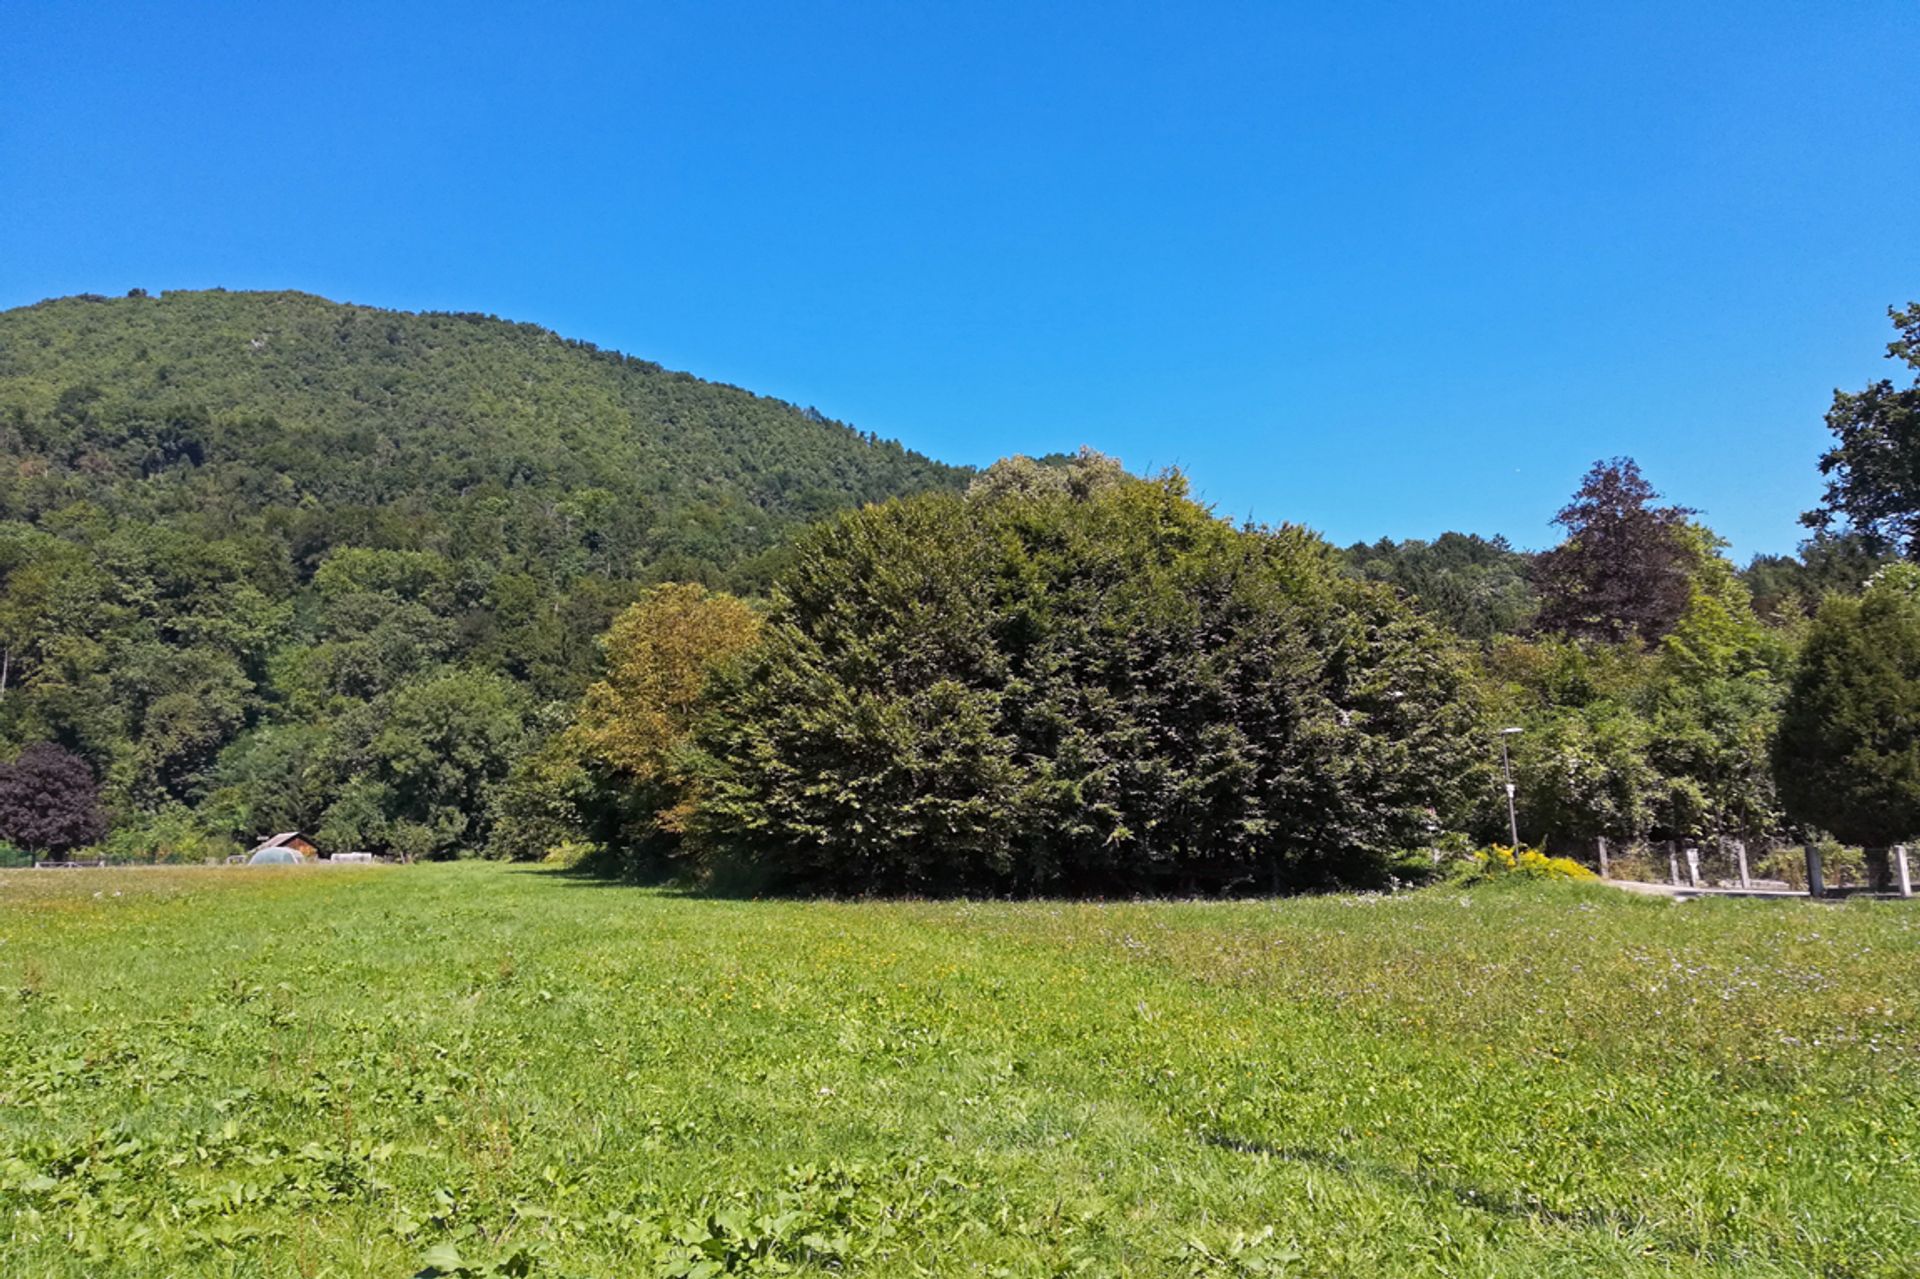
1073 680
1661 694
1069 680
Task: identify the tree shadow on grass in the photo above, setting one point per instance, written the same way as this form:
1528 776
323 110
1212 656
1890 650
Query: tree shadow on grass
574 877
1423 1185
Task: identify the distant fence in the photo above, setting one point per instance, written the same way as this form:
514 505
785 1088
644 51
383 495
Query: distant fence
1823 869
237 859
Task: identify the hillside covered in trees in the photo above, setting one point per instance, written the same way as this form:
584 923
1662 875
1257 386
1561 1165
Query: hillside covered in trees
442 585
349 425
356 550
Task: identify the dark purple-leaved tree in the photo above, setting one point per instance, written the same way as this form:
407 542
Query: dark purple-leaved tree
1624 568
49 801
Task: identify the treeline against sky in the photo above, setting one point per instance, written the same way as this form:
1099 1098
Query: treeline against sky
270 563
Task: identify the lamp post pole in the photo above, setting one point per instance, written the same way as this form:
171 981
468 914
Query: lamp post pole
1506 767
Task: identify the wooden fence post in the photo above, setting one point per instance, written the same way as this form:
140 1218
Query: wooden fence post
1740 853
1601 843
1900 870
1816 886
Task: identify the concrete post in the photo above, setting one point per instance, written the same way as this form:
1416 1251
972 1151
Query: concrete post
1740 853
1816 886
1902 874
1601 844
1693 867
1673 864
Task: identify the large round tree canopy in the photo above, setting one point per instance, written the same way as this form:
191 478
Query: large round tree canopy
1093 686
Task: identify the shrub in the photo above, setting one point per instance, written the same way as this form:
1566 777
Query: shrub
1501 862
572 853
1841 865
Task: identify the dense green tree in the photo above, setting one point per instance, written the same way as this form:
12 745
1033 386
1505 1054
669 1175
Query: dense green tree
1847 757
1478 587
1583 772
1714 702
550 799
1097 691
444 745
1873 468
268 781
359 818
1788 588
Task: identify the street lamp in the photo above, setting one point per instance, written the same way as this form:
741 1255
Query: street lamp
1506 766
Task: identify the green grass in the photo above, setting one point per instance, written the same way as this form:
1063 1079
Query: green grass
487 1070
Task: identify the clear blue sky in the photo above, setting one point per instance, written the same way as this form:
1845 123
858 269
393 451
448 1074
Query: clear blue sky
1384 270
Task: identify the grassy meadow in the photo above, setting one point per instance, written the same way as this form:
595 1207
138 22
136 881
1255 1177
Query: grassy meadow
470 1069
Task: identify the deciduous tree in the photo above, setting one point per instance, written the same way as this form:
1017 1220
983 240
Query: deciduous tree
1094 690
49 800
1623 569
1873 469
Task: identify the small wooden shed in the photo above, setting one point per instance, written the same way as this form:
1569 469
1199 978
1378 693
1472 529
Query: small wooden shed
293 841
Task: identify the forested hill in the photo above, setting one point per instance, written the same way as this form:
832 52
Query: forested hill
418 431
265 557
